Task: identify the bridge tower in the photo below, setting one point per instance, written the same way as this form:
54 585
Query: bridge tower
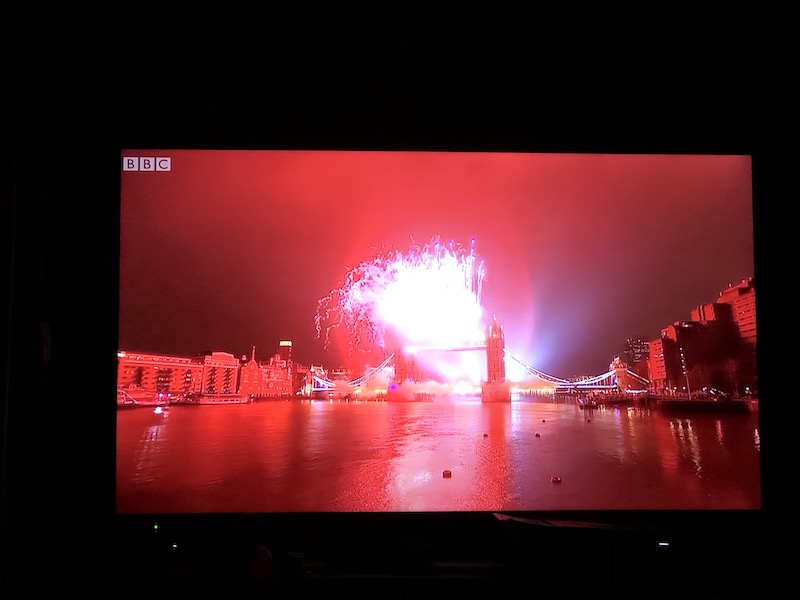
405 367
621 379
495 388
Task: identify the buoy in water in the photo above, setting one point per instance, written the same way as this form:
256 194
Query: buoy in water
447 474
555 479
538 434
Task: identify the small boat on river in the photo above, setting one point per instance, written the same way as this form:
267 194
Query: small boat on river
216 399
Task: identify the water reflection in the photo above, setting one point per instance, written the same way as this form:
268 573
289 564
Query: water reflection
375 456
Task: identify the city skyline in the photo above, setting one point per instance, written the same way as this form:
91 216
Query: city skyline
234 249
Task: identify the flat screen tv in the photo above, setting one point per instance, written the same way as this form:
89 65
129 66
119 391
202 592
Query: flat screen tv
436 334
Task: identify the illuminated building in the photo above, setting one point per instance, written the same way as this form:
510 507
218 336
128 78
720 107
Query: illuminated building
158 373
220 373
276 376
681 349
266 380
206 373
144 374
697 353
656 367
301 379
636 352
285 350
742 300
250 381
715 349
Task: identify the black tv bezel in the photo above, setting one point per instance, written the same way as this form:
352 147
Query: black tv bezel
697 86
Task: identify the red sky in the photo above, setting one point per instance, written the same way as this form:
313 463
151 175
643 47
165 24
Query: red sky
233 249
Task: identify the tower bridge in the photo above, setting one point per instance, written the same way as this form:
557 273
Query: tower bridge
398 369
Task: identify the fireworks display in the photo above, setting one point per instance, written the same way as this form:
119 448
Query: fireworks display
426 297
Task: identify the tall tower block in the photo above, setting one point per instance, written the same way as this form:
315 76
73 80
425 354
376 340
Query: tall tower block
496 388
285 350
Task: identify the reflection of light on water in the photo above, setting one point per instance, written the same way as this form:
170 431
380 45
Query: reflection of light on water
385 456
516 417
408 491
422 477
149 448
757 439
720 432
686 436
314 433
628 430
619 423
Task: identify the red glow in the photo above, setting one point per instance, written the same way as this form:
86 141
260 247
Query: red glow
232 249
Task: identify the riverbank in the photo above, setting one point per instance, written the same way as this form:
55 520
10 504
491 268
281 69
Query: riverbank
678 404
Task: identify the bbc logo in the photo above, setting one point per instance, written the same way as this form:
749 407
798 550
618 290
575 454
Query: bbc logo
146 163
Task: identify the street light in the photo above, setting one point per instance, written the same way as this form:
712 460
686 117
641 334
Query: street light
685 373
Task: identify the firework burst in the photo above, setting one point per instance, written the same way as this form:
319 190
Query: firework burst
428 296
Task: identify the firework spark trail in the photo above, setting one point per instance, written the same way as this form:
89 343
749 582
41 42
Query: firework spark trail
428 296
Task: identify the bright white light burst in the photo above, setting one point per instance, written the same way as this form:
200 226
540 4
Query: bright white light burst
428 297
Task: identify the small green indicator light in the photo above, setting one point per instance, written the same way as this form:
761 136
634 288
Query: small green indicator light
155 526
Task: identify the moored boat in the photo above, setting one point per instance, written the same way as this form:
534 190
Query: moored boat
710 405
216 399
126 402
133 397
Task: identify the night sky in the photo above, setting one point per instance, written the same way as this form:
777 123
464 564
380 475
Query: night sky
233 249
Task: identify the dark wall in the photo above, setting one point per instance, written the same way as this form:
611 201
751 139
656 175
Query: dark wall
82 81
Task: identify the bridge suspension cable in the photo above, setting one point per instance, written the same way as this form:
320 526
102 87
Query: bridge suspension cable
364 378
321 383
604 380
597 381
643 380
537 372
593 380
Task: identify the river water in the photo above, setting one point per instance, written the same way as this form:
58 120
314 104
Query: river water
370 456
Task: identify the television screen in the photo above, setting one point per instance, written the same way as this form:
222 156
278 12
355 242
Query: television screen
342 331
